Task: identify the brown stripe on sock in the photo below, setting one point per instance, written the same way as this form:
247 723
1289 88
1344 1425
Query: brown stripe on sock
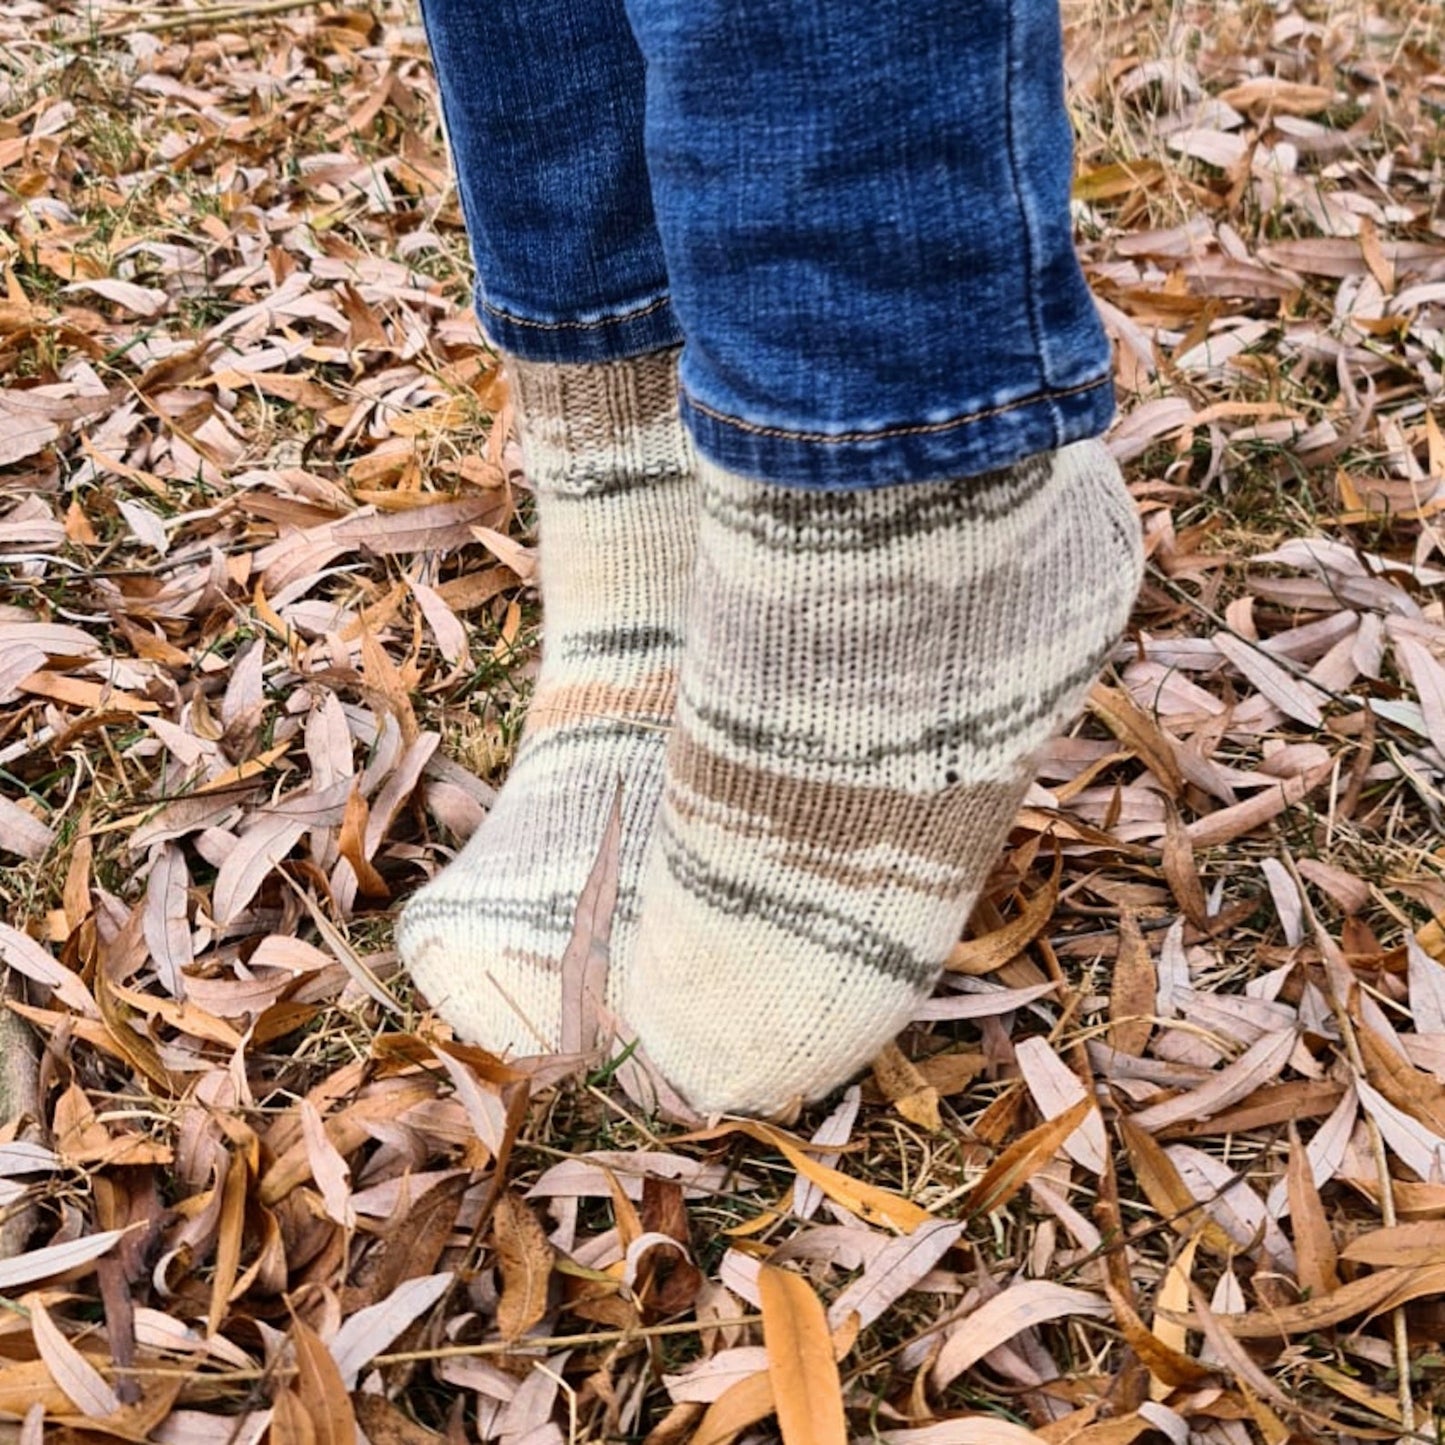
840 818
651 700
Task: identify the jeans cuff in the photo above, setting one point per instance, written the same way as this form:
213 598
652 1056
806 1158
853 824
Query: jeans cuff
960 446
629 330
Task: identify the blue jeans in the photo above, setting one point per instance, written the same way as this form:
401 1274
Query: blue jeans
854 213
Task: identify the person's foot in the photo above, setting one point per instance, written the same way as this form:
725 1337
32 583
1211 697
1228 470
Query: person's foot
615 487
866 676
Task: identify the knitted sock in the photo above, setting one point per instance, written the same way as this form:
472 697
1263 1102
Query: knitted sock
616 502
865 677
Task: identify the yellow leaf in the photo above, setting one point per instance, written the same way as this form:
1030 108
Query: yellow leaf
1022 1160
993 950
807 1392
738 1407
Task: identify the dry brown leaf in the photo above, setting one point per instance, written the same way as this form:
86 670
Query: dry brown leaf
1230 823
54 1259
328 1168
1168 1193
1056 1089
1249 1376
1132 990
82 1384
1406 1245
21 952
368 1332
1139 732
1257 1066
867 1201
1313 1242
1019 1307
1296 699
893 1271
525 1258
166 918
230 1226
742 1405
1279 96
1177 857
904 1086
1022 1160
585 959
993 950
23 1385
319 1388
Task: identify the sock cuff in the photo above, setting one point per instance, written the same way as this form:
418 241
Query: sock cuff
586 425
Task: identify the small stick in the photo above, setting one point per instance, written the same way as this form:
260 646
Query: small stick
563 1342
206 16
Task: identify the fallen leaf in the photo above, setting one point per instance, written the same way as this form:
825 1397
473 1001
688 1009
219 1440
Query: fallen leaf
83 1385
368 1332
525 1259
807 1392
1022 1160
1019 1307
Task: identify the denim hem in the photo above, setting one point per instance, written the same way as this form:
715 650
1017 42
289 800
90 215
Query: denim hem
964 445
635 330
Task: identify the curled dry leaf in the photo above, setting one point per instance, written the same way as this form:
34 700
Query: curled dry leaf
368 1332
525 1259
1019 1307
83 1385
989 953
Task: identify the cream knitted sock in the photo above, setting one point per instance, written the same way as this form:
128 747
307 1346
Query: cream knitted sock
616 503
866 675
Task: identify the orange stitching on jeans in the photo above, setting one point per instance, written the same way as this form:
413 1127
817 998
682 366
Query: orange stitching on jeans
575 325
913 429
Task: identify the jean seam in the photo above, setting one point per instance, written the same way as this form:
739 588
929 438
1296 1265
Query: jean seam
1026 219
908 429
618 319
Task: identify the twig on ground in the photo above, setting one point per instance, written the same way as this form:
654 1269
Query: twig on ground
564 1342
209 15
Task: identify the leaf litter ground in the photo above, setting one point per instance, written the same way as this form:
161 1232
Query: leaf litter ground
1164 1157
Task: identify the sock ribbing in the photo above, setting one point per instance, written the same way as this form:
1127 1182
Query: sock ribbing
866 677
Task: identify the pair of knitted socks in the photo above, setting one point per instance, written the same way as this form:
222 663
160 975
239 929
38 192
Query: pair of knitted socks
819 708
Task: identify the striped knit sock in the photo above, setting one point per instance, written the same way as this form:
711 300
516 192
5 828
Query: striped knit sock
616 503
866 676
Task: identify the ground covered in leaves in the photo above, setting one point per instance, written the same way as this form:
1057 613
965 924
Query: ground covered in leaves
1165 1157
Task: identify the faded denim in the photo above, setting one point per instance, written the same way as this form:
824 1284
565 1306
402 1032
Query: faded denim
854 213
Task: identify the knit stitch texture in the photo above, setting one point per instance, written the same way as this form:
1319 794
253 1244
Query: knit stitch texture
867 675
616 502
